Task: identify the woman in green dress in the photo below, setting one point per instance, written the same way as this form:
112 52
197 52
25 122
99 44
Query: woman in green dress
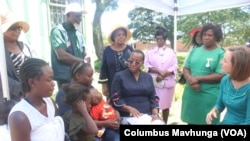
202 71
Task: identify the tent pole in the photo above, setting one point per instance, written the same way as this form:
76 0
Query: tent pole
175 25
3 69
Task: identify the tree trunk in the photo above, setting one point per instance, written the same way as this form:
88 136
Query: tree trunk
97 33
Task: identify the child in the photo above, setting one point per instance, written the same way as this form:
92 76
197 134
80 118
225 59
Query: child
34 117
234 94
100 111
78 123
81 73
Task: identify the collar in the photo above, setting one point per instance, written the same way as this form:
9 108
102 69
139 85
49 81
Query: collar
68 27
157 49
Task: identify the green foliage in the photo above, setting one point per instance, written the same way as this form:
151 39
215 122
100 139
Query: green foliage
235 23
97 66
144 21
181 60
179 87
178 91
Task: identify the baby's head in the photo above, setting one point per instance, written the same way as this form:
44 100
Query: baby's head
96 96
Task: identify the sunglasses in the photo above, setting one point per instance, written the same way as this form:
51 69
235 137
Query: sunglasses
15 27
136 62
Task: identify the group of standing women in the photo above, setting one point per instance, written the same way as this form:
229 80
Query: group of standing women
217 80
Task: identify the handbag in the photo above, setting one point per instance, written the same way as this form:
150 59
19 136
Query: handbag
124 57
182 79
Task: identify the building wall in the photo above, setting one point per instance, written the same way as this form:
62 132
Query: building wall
37 14
147 45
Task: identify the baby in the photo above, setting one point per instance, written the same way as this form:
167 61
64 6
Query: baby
102 111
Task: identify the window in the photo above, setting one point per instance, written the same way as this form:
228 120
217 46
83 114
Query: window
57 8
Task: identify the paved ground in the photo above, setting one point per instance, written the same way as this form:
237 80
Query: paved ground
175 111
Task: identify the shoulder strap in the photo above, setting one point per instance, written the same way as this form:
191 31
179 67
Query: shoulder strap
22 45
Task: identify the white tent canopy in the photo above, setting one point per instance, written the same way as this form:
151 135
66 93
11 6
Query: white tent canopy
185 7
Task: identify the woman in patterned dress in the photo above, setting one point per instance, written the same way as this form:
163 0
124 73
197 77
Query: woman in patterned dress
16 52
114 57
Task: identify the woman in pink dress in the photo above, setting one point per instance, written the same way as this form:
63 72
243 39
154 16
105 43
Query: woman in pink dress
161 62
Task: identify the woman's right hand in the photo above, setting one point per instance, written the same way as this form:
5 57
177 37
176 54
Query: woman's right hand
134 112
196 86
212 114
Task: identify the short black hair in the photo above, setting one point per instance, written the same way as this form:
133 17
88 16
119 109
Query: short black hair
140 52
161 31
194 39
216 28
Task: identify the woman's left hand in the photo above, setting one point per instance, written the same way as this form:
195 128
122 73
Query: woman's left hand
159 78
156 117
134 112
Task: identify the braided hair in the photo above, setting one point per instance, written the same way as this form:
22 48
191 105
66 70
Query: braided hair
31 68
78 67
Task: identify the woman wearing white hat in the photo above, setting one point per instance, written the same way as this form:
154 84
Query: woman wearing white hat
16 52
114 57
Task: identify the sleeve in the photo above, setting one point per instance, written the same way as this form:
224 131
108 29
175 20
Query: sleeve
248 108
103 78
219 66
173 67
154 99
116 92
187 59
219 104
147 63
57 39
73 124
